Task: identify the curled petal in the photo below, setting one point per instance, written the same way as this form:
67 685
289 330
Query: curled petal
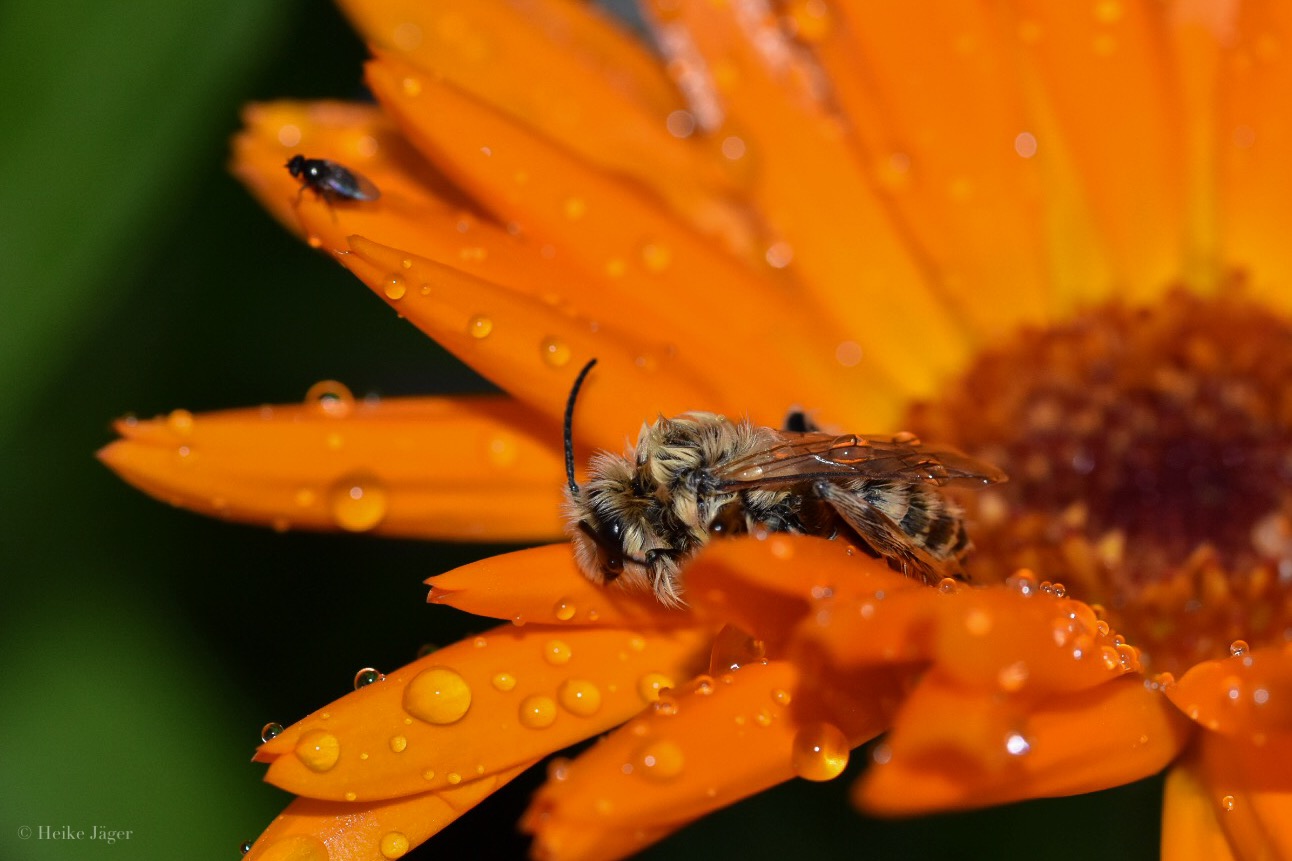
544 585
313 830
700 748
476 708
1190 828
438 468
1243 694
1248 783
952 748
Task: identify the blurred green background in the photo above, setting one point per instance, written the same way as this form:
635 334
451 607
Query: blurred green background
146 646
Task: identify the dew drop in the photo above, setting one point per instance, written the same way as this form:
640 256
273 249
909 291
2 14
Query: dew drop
948 586
779 255
702 685
579 697
1227 803
1017 744
367 676
557 652
782 697
650 685
558 769
180 422
393 845
503 682
398 743
1238 648
819 752
555 352
479 326
270 731
1023 582
564 610
395 288
660 760
537 711
318 750
848 353
331 398
438 695
244 847
358 502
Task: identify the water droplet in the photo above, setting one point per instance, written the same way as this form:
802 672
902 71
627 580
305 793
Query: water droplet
537 711
1227 803
819 752
180 422
393 845
1017 744
398 743
1058 590
331 398
1012 677
555 352
564 610
781 697
1025 144
479 326
702 685
680 124
656 256
558 769
732 649
1238 648
318 750
579 697
557 652
427 649
395 288
438 695
779 255
948 585
270 731
367 676
1023 582
244 847
358 502
660 760
503 682
650 685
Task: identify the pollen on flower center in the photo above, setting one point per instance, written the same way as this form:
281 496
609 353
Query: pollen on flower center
1149 451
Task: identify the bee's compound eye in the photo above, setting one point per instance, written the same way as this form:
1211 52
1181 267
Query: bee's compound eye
612 565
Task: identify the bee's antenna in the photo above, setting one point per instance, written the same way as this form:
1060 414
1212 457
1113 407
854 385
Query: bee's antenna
569 426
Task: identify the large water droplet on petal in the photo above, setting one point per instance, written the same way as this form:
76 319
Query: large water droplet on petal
555 352
318 750
367 676
393 845
819 752
580 697
479 327
537 712
358 502
438 696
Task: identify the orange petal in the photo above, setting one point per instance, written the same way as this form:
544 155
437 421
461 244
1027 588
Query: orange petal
416 212
767 586
477 708
637 259
705 747
855 266
1248 783
418 467
1190 830
959 176
1244 694
544 585
534 350
955 748
313 830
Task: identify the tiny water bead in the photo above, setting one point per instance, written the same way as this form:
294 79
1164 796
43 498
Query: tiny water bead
650 685
564 610
819 752
438 695
244 847
393 845
270 731
367 676
537 711
180 422
358 502
395 288
660 760
479 327
1017 744
1227 803
398 743
1239 648
503 682
557 652
579 697
330 398
318 750
555 352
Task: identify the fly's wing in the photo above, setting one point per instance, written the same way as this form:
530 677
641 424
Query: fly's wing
348 184
798 457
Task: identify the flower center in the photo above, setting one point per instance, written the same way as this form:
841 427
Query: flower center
1149 453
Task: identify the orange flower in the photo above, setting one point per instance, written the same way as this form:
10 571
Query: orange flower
1049 234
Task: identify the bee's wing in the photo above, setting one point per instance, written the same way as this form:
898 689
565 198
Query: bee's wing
800 457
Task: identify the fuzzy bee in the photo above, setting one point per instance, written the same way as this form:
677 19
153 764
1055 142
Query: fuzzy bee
640 516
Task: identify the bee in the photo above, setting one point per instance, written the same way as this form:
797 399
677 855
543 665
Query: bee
329 180
640 516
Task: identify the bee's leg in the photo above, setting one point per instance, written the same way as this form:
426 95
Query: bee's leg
798 421
663 567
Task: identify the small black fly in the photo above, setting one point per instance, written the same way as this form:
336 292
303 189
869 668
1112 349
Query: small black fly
331 181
